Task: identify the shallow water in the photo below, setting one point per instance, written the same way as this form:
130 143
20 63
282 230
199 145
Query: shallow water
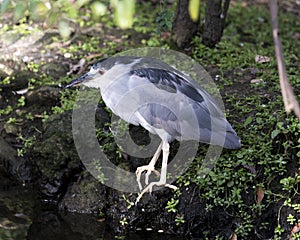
23 216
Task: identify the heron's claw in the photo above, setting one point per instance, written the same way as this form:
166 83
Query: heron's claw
139 172
151 185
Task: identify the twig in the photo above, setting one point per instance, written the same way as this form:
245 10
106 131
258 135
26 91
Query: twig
289 99
225 10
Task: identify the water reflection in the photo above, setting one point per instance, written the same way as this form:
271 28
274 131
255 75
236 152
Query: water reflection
22 216
16 208
50 225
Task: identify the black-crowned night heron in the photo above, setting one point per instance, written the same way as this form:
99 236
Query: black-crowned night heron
148 92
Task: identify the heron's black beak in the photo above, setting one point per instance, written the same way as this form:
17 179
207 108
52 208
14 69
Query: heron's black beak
79 80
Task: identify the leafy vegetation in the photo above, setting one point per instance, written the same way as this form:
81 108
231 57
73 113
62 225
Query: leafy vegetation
270 138
63 13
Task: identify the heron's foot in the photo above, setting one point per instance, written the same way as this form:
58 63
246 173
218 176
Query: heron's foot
151 185
140 170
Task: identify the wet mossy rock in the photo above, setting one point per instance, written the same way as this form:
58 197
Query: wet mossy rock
87 195
54 69
15 168
56 150
56 156
18 81
43 96
8 159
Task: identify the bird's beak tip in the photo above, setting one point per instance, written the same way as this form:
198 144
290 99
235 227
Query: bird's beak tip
69 85
76 82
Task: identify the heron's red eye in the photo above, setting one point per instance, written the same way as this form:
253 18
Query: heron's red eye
101 72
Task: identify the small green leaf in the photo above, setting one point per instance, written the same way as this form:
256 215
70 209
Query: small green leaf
194 9
230 184
98 9
248 121
280 125
259 120
274 133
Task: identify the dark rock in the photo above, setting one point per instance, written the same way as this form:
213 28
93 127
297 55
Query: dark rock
149 213
18 81
56 152
44 96
8 159
51 189
84 196
14 167
56 156
201 222
26 171
54 69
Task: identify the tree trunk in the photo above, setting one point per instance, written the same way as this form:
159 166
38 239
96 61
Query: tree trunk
184 28
215 17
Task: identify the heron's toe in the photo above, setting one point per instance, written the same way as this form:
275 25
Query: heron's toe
171 186
146 189
142 169
148 174
138 179
150 187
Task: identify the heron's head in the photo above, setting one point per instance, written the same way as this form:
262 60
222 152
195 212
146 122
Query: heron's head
118 65
96 71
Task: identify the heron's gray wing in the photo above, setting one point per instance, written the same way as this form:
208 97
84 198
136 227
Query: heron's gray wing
175 83
169 81
209 115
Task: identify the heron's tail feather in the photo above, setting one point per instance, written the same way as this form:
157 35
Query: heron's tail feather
232 141
222 136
